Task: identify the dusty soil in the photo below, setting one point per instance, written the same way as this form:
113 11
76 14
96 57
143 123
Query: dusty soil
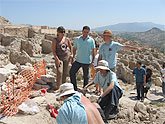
127 102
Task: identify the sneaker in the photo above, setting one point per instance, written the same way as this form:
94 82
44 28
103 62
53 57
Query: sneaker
163 100
116 111
138 98
108 110
142 99
112 116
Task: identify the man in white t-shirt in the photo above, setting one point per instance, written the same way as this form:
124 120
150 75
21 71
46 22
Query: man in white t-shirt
163 79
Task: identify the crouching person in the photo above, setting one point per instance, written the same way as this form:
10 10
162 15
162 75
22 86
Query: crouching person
107 79
77 109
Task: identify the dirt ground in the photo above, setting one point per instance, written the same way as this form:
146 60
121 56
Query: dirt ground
154 100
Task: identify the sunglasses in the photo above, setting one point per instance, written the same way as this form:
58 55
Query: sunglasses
62 32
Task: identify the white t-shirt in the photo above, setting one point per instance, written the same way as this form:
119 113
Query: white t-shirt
163 75
95 60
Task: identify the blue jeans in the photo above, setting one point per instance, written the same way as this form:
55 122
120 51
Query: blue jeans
112 98
140 90
163 88
74 69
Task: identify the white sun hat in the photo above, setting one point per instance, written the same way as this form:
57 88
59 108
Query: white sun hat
66 89
102 64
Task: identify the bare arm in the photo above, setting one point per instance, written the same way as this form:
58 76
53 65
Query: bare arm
54 50
57 60
126 47
74 51
71 51
93 55
85 88
110 87
144 79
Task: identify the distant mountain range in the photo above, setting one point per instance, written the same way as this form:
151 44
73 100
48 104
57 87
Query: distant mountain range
153 37
130 27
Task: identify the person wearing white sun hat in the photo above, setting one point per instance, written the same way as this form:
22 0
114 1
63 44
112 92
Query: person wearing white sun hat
77 109
112 91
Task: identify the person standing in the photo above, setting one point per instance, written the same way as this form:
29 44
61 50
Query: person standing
163 79
112 91
61 54
148 81
93 71
140 74
84 46
108 50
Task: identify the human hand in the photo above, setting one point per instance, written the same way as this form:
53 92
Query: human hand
144 84
84 90
92 64
72 60
58 63
71 56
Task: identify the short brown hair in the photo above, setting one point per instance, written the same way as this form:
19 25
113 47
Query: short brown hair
61 29
86 27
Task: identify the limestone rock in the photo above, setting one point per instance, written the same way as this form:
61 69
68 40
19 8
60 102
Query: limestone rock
48 78
130 114
20 31
31 48
46 46
125 62
157 81
140 107
39 81
16 44
49 37
4 73
6 40
39 86
132 65
10 66
20 57
4 21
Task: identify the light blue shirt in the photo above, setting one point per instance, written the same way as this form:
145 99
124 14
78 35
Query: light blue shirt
72 111
139 74
84 48
104 82
108 52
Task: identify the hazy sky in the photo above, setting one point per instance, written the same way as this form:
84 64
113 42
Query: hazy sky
74 14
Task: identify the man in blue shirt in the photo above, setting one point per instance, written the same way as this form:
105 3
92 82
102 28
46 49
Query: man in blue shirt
77 109
84 45
112 91
108 50
140 74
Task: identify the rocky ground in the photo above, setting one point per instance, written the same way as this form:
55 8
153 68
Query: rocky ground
132 111
22 45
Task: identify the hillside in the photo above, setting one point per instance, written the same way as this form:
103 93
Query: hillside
23 46
4 21
153 37
130 27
